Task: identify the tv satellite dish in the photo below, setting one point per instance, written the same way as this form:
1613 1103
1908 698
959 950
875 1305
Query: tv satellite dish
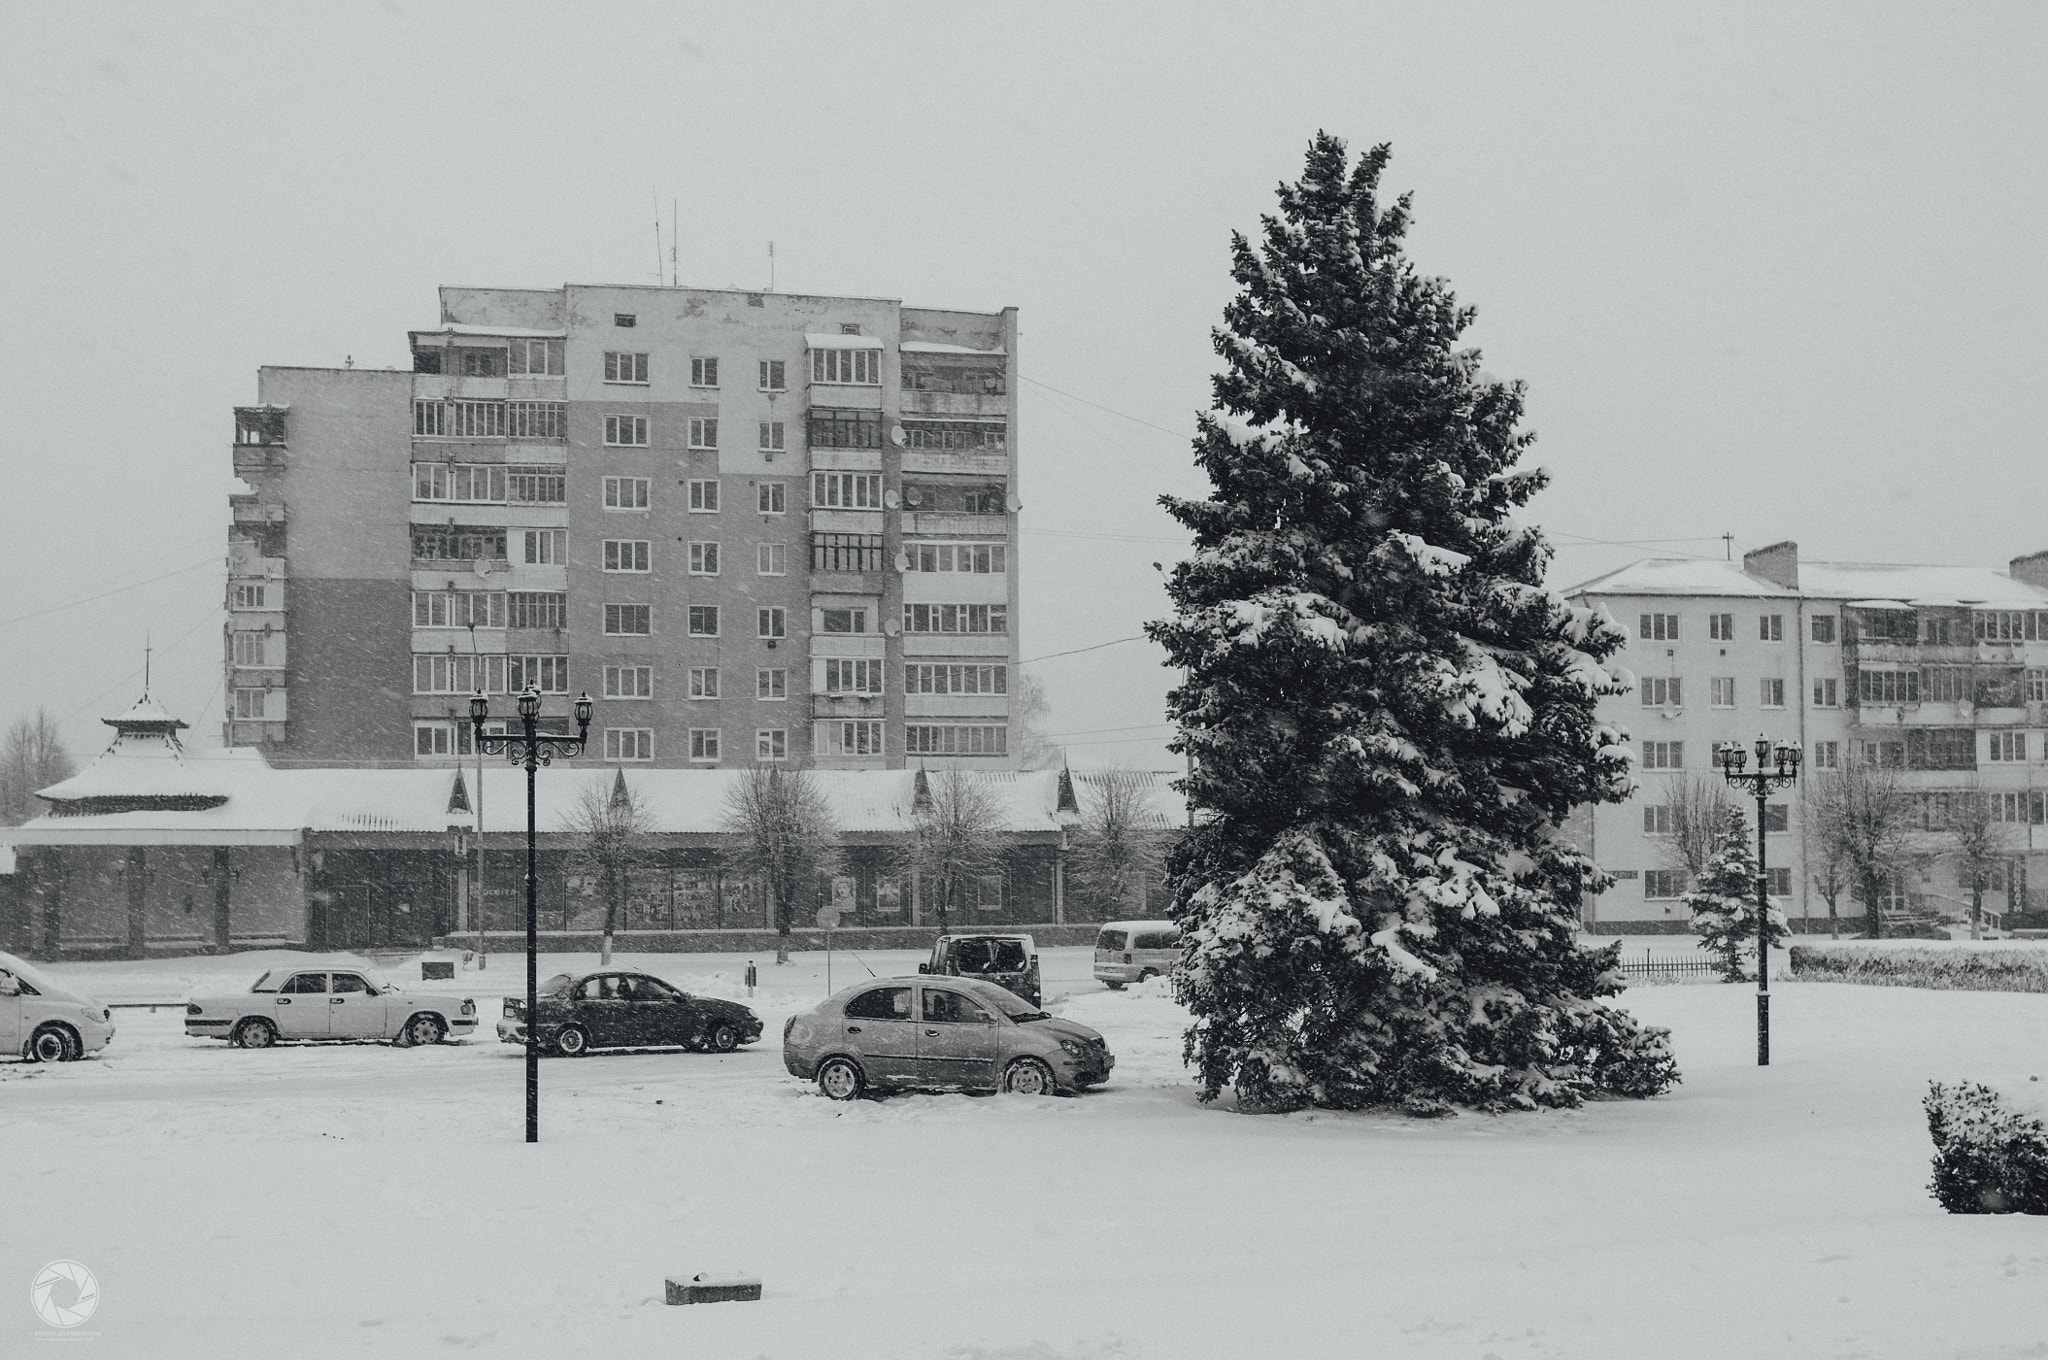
1014 504
485 566
903 561
891 499
896 435
891 628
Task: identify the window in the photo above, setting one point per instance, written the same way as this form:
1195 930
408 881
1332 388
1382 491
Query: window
841 429
1933 631
703 372
626 493
1659 628
703 743
952 1008
457 542
429 419
440 739
1890 755
982 559
1777 817
974 375
2028 808
306 982
1823 627
703 620
482 363
846 552
703 559
772 498
627 620
862 737
853 676
1827 755
457 673
458 609
469 482
629 682
956 435
1663 755
623 367
1721 627
536 609
858 366
846 491
1887 687
1658 692
625 432
251 649
772 438
253 597
774 622
849 328
704 497
955 739
948 678
2004 745
703 682
1770 628
1771 693
988 498
544 674
1827 694
771 559
883 1003
476 419
1657 820
535 359
771 682
628 554
703 432
546 547
537 419
250 703
629 743
1948 684
956 618
2037 680
772 376
1663 883
842 620
1778 882
1721 691
771 743
624 320
2003 625
538 486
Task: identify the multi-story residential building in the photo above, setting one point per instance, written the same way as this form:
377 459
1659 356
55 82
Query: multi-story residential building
753 526
1939 673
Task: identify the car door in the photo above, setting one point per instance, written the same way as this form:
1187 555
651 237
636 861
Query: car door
604 1012
880 1029
657 1016
300 1006
956 1041
355 1010
10 1012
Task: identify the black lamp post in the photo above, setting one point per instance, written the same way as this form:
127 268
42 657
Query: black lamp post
533 750
1760 784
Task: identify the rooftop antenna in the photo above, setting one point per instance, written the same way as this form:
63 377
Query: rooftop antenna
675 278
1728 546
657 240
146 649
771 266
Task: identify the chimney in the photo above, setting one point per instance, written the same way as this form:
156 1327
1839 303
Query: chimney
2031 569
1778 564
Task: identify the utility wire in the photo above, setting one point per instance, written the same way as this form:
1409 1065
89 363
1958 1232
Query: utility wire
1078 650
1097 731
1136 420
73 604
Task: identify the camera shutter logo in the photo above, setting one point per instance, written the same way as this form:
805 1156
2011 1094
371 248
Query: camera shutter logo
64 1294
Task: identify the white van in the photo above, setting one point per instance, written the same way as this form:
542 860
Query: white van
1131 951
45 1021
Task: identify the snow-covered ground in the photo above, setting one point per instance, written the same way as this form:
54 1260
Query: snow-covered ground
367 1200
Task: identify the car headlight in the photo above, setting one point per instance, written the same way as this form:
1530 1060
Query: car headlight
1074 1048
192 1008
512 1008
469 1007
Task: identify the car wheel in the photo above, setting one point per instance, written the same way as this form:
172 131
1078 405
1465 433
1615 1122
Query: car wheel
724 1039
571 1041
53 1043
1112 985
1148 975
255 1034
840 1079
422 1029
1028 1077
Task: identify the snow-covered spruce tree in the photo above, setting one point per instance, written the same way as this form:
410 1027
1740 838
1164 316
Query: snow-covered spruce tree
1390 715
1723 901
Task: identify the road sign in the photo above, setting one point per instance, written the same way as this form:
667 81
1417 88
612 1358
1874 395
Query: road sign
828 918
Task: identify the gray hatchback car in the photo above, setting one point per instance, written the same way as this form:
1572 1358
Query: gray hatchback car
944 1034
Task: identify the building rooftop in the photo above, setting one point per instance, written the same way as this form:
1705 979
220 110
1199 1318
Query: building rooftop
1903 583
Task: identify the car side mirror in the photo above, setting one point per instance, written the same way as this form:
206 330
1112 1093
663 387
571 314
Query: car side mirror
924 968
10 986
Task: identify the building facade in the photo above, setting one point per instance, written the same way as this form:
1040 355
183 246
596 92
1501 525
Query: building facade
753 526
1937 673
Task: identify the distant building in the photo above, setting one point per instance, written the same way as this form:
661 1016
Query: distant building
1938 672
753 526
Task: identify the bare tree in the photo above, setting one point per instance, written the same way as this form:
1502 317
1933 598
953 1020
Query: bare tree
32 756
1122 838
1034 750
1863 814
611 829
1697 807
1978 846
956 838
1826 861
784 835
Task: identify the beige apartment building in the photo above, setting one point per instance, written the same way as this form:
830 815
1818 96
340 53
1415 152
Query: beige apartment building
753 526
1940 673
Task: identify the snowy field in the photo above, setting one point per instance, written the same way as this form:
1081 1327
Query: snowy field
366 1200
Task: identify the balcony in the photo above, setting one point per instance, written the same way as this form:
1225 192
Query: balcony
247 511
258 459
847 705
950 524
974 464
847 521
917 403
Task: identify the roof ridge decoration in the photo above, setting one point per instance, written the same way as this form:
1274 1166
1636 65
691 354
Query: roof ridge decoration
142 770
458 795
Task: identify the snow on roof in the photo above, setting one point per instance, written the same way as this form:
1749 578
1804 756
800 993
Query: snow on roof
1850 582
493 332
1678 576
814 340
930 347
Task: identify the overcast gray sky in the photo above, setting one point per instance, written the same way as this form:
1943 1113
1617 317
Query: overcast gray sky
1769 270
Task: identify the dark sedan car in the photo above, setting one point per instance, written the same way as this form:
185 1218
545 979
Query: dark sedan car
612 1008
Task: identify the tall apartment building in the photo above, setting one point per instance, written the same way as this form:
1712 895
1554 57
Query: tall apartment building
754 526
1940 673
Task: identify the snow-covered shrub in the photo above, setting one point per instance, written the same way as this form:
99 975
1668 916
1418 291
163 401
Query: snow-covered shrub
1390 715
1987 1159
1961 970
1723 902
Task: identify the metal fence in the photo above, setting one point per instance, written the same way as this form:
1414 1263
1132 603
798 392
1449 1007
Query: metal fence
1670 965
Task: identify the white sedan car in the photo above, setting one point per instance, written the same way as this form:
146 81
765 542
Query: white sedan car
45 1021
327 1003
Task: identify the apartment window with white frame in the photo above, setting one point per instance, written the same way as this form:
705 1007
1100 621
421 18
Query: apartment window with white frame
1662 691
627 620
530 358
250 704
1827 693
629 682
955 739
629 743
251 597
1720 627
440 739
1663 755
1658 628
625 432
771 743
855 737
771 559
980 559
774 622
842 620
704 497
628 554
703 559
1827 755
542 420
772 371
1770 628
545 674
704 743
703 432
772 498
955 678
771 683
536 609
1657 819
1771 693
537 486
624 366
703 682
853 675
477 419
703 372
1721 691
430 420
772 439
2008 746
626 493
458 673
1824 628
703 620
458 609
462 483
857 367
1663 883
846 491
546 547
252 650
956 618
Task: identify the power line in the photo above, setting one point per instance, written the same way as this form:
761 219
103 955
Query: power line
1122 538
72 604
1137 420
1095 731
209 616
1078 650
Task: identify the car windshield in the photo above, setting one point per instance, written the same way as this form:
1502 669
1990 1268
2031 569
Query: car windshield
267 983
1012 1005
556 985
34 976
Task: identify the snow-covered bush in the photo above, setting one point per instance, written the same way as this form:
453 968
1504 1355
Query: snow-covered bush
1723 902
1987 1159
1390 715
1956 969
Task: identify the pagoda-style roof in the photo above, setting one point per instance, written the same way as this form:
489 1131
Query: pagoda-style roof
142 770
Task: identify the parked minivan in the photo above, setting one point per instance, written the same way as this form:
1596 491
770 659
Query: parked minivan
45 1021
1131 951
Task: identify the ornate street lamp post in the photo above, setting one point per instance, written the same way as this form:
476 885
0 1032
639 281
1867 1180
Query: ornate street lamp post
1759 785
532 749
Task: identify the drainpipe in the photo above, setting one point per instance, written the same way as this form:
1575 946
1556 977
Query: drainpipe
1797 825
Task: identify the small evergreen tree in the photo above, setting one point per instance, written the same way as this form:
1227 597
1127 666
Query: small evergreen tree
1389 714
1723 901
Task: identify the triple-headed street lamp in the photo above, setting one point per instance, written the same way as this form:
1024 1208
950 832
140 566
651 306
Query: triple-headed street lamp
533 749
1760 784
